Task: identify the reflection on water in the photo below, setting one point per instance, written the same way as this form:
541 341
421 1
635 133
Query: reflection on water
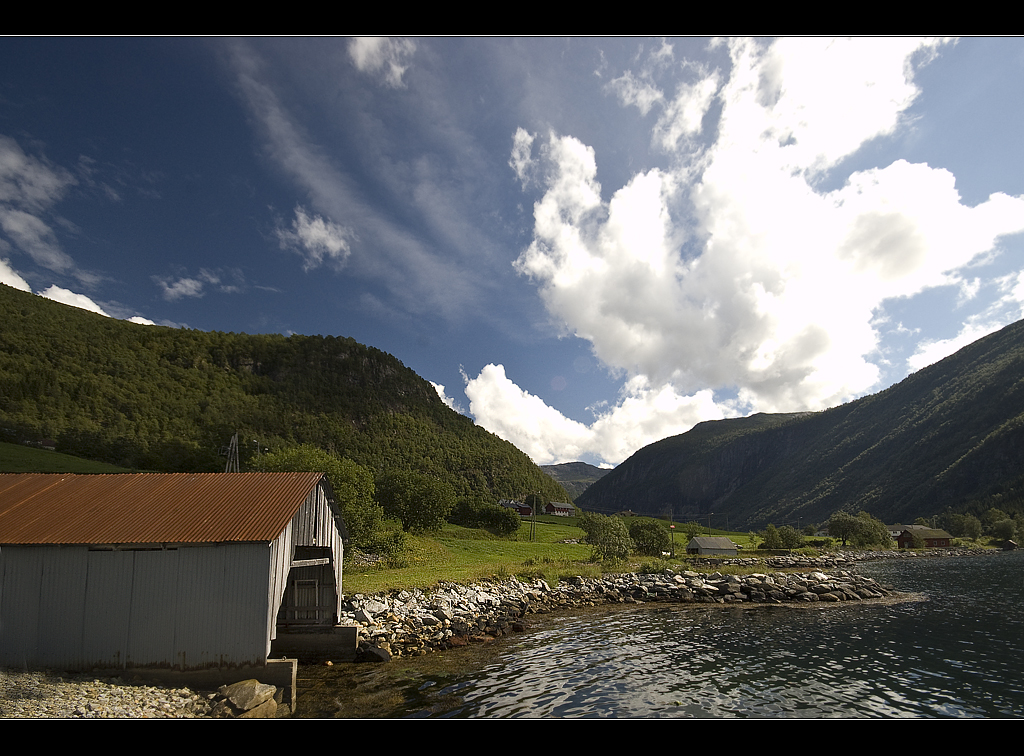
955 654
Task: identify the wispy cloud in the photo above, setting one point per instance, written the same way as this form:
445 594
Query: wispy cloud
1007 308
384 56
173 288
521 161
29 188
316 240
405 225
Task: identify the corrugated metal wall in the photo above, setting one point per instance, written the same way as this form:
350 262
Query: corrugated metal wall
188 608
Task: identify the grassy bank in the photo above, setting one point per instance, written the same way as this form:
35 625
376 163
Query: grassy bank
15 458
463 555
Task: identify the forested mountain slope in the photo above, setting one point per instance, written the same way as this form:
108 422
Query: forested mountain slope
949 436
165 399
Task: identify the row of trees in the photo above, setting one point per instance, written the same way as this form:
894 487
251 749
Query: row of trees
992 522
379 511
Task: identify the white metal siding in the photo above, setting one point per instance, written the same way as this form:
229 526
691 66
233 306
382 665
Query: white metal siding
188 608
315 524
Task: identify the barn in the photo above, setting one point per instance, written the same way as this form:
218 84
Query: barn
176 571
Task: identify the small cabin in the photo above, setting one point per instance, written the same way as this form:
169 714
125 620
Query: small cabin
712 546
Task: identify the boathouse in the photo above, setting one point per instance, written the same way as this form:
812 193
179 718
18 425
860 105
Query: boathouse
177 571
711 546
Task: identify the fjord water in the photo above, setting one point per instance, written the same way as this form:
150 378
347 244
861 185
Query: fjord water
958 651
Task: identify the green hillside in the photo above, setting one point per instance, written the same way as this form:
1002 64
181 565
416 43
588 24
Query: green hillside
165 399
948 436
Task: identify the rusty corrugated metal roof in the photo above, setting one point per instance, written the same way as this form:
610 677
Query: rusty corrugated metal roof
149 507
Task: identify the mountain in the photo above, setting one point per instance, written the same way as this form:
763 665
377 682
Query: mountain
575 477
167 399
949 436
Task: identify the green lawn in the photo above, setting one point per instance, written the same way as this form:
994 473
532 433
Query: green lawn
464 555
17 458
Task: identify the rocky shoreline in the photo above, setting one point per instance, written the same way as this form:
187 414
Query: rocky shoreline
48 695
35 694
417 622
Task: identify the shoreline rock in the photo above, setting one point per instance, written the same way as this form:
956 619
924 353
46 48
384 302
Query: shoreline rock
416 622
44 694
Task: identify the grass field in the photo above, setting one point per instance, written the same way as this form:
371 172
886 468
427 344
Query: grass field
462 555
17 458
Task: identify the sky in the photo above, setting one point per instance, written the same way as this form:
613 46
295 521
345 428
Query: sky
586 245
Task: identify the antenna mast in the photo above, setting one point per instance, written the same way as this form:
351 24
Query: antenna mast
232 465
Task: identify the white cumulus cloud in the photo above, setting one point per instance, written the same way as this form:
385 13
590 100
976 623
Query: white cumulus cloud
10 277
733 271
64 296
642 415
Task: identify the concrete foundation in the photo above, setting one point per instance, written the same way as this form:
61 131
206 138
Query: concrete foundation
336 644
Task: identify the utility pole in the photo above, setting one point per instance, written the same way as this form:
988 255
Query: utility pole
533 519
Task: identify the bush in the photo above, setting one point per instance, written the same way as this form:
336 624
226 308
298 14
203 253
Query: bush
862 530
1003 530
791 539
785 537
388 540
419 501
650 538
608 536
470 512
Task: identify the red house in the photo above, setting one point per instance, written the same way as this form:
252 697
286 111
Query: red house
932 537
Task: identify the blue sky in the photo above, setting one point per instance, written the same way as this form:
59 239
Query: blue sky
591 244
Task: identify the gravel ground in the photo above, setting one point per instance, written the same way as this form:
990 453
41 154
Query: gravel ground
31 695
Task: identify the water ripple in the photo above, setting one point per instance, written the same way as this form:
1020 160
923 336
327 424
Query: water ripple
957 654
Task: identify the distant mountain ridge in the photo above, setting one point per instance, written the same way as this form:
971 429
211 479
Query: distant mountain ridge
575 477
166 399
949 436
